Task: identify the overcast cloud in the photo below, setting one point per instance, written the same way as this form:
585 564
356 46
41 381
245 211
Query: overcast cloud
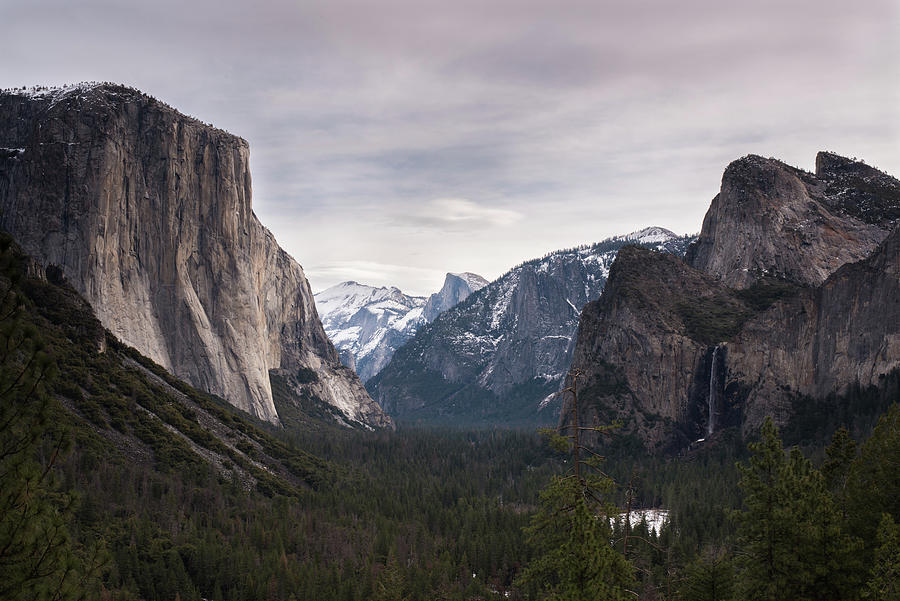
392 141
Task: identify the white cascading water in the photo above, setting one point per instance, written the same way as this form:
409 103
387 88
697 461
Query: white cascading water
713 390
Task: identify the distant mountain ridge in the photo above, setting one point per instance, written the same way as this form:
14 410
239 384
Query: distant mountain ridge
493 358
368 324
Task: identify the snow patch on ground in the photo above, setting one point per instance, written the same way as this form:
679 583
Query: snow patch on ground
656 518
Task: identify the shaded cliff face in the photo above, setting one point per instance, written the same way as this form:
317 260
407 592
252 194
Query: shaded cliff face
820 341
496 356
668 346
773 219
148 214
643 348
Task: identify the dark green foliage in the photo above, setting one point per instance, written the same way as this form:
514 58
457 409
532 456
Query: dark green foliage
873 483
710 577
884 582
38 558
836 469
716 319
794 541
571 533
712 320
765 291
306 375
337 514
858 409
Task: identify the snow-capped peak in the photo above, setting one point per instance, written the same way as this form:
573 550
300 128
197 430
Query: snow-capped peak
472 280
367 324
651 235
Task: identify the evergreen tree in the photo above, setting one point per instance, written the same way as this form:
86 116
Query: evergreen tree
709 578
390 584
37 560
764 524
884 583
571 532
873 485
836 469
794 543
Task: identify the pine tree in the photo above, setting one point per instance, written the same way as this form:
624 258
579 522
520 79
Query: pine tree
390 585
571 532
836 469
709 578
794 543
873 485
764 524
884 582
37 560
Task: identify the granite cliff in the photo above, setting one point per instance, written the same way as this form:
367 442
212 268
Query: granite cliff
148 214
773 219
790 291
457 288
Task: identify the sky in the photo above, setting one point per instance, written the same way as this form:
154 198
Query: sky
395 140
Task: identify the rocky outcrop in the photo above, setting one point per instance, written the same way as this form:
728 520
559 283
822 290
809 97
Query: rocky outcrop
777 306
495 358
148 214
457 288
770 219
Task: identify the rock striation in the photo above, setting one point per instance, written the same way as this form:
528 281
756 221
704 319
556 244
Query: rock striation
792 289
148 214
821 340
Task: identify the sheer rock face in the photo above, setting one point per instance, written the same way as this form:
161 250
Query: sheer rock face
824 316
457 288
148 213
643 361
824 339
635 357
772 219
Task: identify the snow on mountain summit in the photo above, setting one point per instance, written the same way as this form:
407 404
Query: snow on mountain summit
367 324
651 235
473 280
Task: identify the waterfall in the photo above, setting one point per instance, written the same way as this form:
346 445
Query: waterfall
713 390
